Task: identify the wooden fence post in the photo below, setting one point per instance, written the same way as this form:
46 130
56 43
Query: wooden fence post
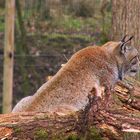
8 56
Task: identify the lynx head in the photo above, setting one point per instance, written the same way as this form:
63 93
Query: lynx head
127 58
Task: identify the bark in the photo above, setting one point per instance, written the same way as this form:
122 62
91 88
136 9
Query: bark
112 123
126 19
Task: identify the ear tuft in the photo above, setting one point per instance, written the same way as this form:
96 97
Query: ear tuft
123 39
124 43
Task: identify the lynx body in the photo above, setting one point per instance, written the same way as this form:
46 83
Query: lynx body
90 71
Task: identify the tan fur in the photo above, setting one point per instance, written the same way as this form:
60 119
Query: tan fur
90 69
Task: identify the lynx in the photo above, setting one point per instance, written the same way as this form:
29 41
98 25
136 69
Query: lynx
90 71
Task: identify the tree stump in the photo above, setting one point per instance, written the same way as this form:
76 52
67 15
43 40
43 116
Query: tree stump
119 121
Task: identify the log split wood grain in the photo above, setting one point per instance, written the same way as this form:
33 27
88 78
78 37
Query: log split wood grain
122 114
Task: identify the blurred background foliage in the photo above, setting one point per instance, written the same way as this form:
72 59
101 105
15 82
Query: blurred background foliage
47 33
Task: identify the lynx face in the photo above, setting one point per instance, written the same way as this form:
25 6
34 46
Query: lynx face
133 62
130 59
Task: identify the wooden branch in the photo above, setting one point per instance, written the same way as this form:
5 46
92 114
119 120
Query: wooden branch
122 116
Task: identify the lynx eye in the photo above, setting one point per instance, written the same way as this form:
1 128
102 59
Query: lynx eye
134 60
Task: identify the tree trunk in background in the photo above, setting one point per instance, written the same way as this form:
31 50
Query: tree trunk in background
21 48
126 20
8 56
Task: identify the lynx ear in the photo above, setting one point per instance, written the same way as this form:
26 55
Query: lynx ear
124 43
123 39
123 49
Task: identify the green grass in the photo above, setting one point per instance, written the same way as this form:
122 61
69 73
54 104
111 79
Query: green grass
68 23
60 41
57 36
72 23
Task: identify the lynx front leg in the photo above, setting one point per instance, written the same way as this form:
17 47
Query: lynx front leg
95 97
107 96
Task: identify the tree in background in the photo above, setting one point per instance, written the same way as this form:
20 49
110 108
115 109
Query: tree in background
8 56
126 19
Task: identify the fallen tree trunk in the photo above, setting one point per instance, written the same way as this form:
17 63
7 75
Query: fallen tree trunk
113 123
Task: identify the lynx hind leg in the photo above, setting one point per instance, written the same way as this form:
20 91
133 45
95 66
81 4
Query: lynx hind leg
22 104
